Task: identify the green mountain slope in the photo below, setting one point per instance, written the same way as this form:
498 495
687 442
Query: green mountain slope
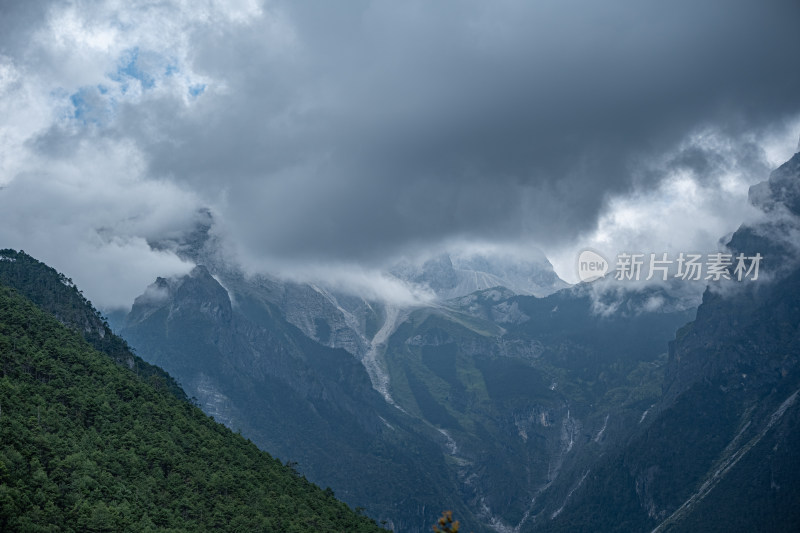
57 294
87 445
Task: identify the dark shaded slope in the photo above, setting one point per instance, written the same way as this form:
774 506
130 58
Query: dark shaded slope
531 391
721 452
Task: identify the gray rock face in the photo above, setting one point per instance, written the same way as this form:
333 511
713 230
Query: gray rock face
714 450
437 273
234 351
782 189
723 316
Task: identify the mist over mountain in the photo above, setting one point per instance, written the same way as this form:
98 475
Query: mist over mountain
453 276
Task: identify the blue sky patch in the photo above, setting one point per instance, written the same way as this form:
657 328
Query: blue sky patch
91 105
197 90
130 66
80 105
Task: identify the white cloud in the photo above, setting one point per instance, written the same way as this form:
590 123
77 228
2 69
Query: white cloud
349 278
76 194
89 214
685 211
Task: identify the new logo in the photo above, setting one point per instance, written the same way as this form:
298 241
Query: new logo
591 266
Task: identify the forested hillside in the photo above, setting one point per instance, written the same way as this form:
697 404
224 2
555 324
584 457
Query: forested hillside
87 445
56 294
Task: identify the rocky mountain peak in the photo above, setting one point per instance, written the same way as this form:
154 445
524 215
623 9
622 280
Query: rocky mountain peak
193 243
456 275
781 189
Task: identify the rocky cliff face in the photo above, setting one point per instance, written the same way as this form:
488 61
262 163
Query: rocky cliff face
716 454
781 191
747 322
236 353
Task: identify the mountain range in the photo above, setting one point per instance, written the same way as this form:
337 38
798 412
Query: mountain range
509 397
503 398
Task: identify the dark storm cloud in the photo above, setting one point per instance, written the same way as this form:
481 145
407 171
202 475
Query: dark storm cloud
16 21
386 123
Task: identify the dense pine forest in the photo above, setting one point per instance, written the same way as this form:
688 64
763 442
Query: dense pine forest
88 444
56 294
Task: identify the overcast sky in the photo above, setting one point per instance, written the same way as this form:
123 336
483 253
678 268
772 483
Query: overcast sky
329 134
